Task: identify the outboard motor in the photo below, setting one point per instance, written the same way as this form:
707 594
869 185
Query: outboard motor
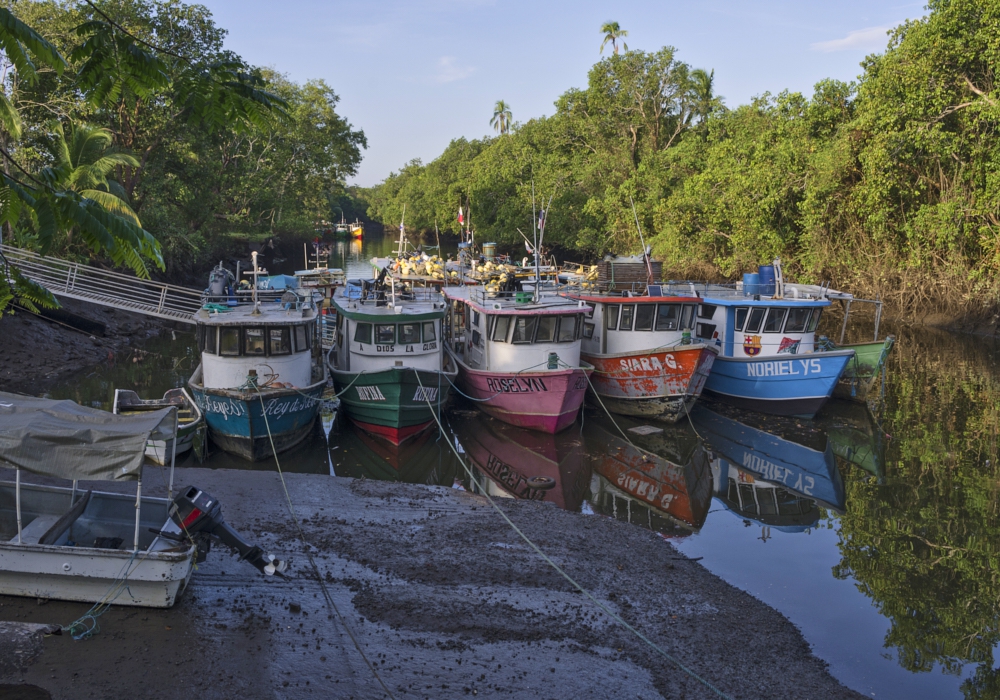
199 516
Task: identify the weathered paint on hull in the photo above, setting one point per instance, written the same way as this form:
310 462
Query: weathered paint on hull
544 401
237 423
660 385
393 403
791 385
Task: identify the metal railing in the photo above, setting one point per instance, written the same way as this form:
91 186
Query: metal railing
120 291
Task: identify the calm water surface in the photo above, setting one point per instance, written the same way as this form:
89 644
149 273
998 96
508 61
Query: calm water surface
877 536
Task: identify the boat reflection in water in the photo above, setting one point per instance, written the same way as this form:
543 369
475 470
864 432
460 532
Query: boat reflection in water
776 471
422 460
661 481
518 463
856 436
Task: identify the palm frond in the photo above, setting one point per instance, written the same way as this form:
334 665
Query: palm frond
10 120
112 204
18 39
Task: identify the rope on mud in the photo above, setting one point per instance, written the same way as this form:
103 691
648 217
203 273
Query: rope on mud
614 616
86 625
312 562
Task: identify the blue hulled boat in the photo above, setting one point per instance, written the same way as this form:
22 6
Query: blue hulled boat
261 378
769 359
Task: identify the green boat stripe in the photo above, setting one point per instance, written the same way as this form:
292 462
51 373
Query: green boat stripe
388 317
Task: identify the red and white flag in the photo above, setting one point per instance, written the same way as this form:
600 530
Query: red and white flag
461 216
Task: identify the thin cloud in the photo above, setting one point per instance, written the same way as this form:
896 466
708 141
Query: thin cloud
867 39
448 71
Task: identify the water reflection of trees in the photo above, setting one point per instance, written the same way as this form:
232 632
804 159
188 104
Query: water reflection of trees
924 544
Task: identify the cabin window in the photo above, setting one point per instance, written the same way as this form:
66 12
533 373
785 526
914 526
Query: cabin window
708 311
280 341
229 341
385 333
706 330
475 318
477 339
628 311
568 328
409 333
500 327
754 320
814 321
590 310
667 317
302 338
546 332
340 321
363 333
211 345
524 329
775 319
253 339
588 330
644 317
612 320
687 316
741 317
797 321
430 334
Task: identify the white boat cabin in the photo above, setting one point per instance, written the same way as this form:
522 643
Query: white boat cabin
623 324
385 331
276 341
510 332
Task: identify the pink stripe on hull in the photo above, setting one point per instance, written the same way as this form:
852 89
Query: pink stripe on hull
544 401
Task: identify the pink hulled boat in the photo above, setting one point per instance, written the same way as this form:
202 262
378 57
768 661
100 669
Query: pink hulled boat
519 357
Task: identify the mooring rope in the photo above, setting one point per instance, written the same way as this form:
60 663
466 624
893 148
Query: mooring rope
569 578
302 536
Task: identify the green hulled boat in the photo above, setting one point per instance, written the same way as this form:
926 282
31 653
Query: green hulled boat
387 361
864 370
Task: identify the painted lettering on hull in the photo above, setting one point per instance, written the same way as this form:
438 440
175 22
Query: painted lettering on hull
784 368
769 471
273 408
651 363
370 393
515 385
425 394
509 477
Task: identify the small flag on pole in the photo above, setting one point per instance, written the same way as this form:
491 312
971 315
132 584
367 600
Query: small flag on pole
541 219
528 247
461 216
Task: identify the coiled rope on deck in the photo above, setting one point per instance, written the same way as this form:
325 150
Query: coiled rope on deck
569 578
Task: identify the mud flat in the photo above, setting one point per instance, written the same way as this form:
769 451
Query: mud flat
444 599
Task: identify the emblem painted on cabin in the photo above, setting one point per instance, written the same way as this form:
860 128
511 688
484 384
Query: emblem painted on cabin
789 345
751 345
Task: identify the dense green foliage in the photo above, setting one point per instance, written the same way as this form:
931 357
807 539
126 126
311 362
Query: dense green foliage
888 186
153 143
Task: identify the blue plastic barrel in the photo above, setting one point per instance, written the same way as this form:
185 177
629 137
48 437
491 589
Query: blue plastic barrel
751 283
766 273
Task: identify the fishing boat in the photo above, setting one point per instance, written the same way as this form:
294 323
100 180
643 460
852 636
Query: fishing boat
189 420
645 360
388 363
94 546
524 464
518 355
769 360
772 470
261 376
659 478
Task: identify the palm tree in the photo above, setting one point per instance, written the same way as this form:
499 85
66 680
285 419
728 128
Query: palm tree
613 32
501 117
701 84
85 160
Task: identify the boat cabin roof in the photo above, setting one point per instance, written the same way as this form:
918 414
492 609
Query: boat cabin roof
420 304
514 303
271 314
618 299
731 295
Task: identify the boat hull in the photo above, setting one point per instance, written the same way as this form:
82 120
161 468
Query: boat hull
660 385
245 423
544 401
393 403
864 370
796 386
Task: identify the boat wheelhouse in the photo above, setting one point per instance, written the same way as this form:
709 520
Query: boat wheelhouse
261 377
518 356
769 360
645 361
388 362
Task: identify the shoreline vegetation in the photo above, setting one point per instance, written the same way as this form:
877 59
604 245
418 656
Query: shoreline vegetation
888 186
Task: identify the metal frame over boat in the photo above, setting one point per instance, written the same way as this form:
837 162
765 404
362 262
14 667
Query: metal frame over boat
518 355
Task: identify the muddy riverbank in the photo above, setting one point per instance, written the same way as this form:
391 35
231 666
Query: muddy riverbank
444 599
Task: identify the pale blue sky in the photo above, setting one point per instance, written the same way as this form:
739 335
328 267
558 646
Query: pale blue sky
416 73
